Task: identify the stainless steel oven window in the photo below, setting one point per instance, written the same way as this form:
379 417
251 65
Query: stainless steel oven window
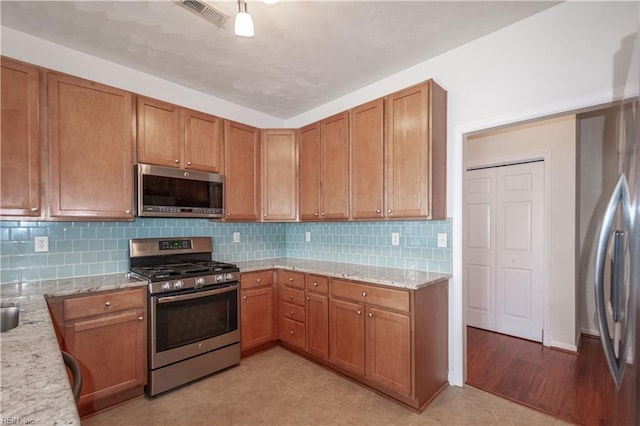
184 319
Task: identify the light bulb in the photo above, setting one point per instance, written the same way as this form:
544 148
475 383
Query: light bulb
244 25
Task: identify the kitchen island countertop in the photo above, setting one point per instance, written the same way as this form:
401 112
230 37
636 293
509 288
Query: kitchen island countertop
35 387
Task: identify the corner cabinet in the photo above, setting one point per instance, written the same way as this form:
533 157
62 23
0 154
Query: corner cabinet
90 149
242 171
309 172
106 334
415 152
279 152
172 136
20 140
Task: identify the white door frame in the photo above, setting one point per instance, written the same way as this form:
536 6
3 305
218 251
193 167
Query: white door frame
547 338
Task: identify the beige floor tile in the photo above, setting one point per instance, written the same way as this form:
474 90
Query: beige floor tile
277 387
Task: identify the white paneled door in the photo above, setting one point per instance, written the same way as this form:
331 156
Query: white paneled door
504 249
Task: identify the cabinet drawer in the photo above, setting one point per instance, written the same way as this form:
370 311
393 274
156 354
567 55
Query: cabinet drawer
292 279
292 332
363 293
291 295
256 279
317 284
294 312
103 303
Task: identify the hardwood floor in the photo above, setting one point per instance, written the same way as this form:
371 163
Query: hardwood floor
572 387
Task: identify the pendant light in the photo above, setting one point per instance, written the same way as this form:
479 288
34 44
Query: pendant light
244 23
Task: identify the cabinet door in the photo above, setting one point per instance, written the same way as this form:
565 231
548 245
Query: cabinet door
279 175
309 172
19 140
202 141
90 149
347 336
242 169
367 157
334 180
111 352
256 317
158 132
407 166
389 349
317 321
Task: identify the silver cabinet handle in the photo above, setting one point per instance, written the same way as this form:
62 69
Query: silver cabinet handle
35 209
359 312
291 313
176 161
291 332
228 213
378 211
290 297
315 284
140 318
127 211
188 163
370 315
291 279
389 210
257 280
364 294
317 214
308 298
107 303
322 214
620 195
244 297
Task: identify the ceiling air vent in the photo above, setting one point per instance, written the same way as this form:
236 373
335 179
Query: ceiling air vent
205 11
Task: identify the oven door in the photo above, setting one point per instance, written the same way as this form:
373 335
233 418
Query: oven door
192 323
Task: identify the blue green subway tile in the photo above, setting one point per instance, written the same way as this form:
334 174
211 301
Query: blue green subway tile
54 259
80 270
4 234
110 267
72 258
123 265
103 232
30 274
28 247
71 233
47 272
96 269
95 245
433 265
143 232
64 271
80 224
122 244
80 245
117 232
9 224
103 256
38 259
118 255
89 233
19 261
438 254
36 232
61 246
56 233
10 275
18 234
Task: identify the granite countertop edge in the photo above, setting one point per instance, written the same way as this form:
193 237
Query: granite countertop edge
35 387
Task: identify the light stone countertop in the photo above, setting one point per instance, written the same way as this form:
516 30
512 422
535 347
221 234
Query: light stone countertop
34 385
391 277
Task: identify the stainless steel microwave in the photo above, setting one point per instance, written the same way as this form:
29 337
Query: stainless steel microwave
168 192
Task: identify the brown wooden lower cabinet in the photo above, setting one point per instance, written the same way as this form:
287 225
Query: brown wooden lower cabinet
106 333
257 316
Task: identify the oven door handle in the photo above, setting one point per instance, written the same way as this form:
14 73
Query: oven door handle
169 299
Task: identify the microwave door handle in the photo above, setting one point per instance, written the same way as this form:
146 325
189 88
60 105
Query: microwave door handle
182 297
620 195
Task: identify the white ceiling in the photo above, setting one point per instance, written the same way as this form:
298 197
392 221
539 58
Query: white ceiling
303 55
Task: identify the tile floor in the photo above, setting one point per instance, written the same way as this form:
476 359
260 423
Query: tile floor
279 387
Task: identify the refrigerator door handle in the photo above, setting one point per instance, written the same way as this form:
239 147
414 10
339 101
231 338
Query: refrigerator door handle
620 195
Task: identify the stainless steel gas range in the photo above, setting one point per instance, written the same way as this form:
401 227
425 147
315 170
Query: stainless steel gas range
193 309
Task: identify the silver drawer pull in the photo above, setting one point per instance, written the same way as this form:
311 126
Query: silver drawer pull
370 315
291 332
176 161
244 297
290 297
107 303
315 284
364 294
291 313
140 318
258 280
359 312
308 298
35 209
291 279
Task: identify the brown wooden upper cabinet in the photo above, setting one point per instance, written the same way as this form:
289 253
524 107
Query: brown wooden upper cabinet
20 140
324 169
279 153
415 152
367 159
90 140
242 171
172 136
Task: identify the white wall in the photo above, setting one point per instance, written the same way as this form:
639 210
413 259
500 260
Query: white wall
555 61
554 140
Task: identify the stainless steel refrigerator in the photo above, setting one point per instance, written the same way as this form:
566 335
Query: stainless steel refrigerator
617 257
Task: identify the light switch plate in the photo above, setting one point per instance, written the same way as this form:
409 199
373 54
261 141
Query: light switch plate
41 244
395 238
236 237
442 240
307 236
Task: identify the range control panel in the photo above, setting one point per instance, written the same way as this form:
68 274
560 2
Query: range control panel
174 244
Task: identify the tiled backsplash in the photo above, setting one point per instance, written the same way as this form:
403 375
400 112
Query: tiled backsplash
92 248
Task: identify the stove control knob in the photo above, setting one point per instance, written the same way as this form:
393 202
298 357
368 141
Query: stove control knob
229 277
166 286
178 284
200 281
219 278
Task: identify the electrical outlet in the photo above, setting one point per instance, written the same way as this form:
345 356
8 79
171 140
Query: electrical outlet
42 244
395 238
236 237
307 236
442 240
